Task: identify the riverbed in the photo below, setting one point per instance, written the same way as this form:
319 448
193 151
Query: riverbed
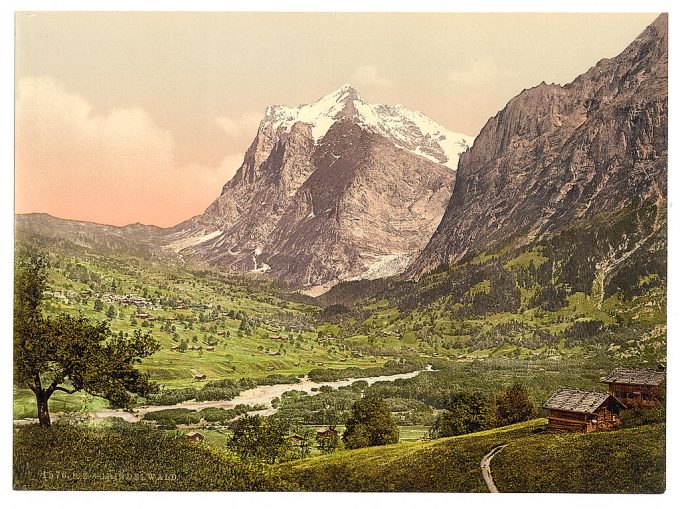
260 395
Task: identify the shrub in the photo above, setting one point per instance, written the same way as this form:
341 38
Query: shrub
173 416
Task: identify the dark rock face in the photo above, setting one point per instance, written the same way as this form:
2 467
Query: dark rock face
559 155
312 207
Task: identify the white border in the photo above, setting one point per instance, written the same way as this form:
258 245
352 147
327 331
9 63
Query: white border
299 500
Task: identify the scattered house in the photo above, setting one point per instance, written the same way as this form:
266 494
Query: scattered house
175 349
279 339
275 354
200 377
319 363
210 349
194 437
575 410
270 368
326 432
297 440
635 386
296 364
222 333
143 316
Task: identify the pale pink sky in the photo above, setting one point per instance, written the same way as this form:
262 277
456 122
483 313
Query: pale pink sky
144 116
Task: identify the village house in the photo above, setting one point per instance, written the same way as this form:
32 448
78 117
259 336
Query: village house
635 386
200 377
575 410
322 433
195 437
297 440
210 349
279 339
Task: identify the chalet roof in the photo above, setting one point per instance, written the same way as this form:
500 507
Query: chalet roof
635 376
574 400
194 434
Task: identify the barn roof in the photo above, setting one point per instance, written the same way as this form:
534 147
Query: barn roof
574 400
635 376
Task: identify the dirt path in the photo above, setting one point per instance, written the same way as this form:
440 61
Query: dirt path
486 468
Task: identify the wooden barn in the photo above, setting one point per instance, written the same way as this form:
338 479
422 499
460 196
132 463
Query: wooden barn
574 410
322 433
635 386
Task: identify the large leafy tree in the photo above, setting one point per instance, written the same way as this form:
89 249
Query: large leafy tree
467 412
513 405
256 438
370 424
69 354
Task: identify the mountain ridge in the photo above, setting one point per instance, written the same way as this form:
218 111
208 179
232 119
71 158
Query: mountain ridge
558 154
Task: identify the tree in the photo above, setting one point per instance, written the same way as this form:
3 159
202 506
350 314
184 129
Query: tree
514 405
467 412
98 305
70 354
328 442
370 424
256 438
111 312
183 344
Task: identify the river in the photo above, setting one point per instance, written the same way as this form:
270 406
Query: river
260 395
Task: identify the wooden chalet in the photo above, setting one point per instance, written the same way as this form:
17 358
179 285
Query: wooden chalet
326 432
635 386
582 411
210 349
200 377
297 440
194 437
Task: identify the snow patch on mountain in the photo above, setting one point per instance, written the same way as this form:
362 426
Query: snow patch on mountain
184 243
409 130
386 266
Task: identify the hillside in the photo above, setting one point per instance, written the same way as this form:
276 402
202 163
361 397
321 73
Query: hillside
625 461
630 460
72 458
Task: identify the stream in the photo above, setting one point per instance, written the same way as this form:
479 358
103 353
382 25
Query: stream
260 395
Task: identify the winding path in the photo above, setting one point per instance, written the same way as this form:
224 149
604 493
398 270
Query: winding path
486 468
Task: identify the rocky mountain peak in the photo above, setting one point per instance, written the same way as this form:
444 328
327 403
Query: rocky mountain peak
329 191
559 155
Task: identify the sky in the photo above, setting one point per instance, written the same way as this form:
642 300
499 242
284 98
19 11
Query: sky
143 117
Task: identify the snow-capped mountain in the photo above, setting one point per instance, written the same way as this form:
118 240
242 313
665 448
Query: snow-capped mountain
407 129
335 190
